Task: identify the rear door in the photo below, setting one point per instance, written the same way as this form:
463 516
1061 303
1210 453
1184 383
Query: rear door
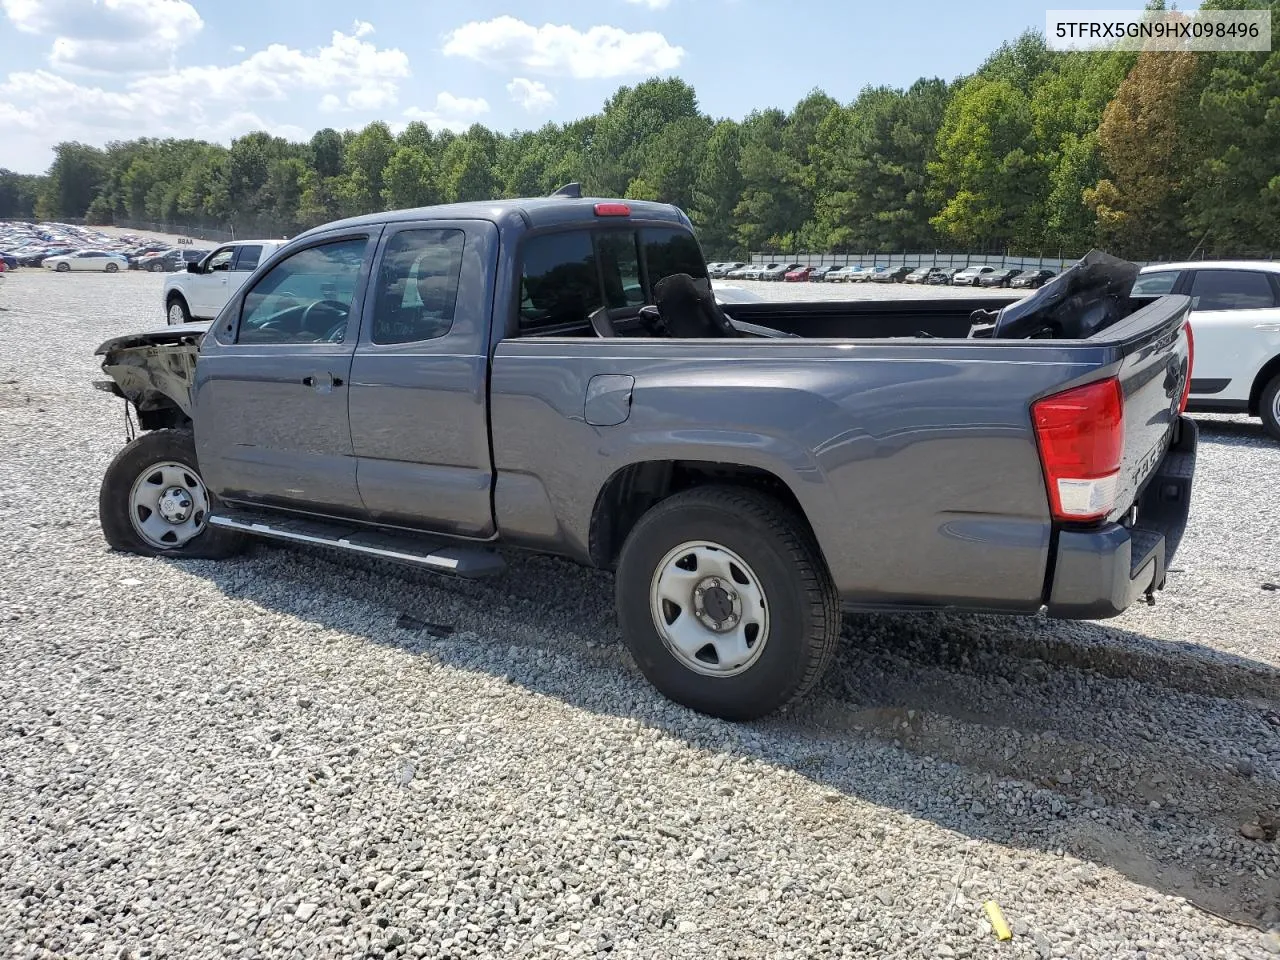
418 396
270 398
1237 329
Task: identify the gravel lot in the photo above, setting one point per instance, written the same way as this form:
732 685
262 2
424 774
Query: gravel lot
296 755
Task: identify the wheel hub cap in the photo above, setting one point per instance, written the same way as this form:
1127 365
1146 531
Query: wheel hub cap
175 505
716 604
709 608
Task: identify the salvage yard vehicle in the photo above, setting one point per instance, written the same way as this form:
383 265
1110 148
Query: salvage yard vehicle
98 261
1235 310
202 289
441 385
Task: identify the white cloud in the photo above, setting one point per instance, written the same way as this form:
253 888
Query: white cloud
362 28
652 4
117 36
451 106
533 95
600 52
237 48
198 101
450 112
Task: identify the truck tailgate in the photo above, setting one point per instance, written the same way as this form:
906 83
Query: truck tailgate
1153 351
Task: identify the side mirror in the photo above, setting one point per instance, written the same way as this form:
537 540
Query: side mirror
193 266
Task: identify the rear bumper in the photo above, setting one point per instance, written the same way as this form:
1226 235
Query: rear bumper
1100 573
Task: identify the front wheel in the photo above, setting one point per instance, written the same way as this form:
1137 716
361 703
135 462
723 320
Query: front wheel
153 501
62 267
1269 408
725 603
113 268
178 312
156 268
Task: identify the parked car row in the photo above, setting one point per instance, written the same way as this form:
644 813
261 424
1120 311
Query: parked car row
980 275
64 247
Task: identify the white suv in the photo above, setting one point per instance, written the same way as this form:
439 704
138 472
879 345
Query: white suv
200 291
1235 323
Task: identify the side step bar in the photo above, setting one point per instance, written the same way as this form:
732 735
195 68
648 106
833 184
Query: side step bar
439 555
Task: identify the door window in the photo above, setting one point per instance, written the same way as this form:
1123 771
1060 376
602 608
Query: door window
221 260
620 264
305 298
417 286
1231 290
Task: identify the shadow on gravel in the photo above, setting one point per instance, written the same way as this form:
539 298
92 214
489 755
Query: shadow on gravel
1235 432
1138 754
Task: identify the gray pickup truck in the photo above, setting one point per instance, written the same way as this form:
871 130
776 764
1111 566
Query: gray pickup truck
441 385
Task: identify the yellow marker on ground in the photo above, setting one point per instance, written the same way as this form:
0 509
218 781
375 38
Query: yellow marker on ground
997 920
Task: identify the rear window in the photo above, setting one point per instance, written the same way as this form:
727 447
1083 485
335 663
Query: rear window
1230 290
1154 284
568 275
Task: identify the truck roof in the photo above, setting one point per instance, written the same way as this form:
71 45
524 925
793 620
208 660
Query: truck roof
532 212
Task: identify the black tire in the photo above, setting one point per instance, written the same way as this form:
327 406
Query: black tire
62 267
156 268
130 464
1269 408
804 609
177 300
112 268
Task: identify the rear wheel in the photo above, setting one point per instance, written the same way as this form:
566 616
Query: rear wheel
113 268
1269 408
725 603
156 268
153 501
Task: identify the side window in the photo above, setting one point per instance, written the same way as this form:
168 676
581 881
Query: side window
1154 284
620 264
305 298
559 283
1230 290
221 260
247 257
417 286
668 251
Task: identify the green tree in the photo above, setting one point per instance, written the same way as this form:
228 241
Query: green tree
73 181
1146 142
410 179
717 190
365 157
326 152
987 174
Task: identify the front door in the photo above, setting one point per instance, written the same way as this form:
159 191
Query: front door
208 288
271 388
419 404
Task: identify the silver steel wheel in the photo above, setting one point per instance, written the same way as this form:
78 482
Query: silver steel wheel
175 313
709 608
168 505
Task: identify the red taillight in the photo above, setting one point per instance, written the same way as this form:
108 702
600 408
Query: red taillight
1081 437
613 210
1191 362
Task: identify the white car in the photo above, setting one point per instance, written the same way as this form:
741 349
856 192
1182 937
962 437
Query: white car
969 276
200 291
97 260
1235 324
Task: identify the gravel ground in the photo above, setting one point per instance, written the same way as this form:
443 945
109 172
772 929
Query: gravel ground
291 755
774 290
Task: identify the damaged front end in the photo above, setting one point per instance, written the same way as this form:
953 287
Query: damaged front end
154 372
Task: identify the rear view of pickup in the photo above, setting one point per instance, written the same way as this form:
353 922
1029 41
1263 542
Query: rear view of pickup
440 386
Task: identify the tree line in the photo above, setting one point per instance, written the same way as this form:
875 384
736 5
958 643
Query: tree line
1148 155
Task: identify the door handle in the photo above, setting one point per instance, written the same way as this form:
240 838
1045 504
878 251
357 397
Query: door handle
322 381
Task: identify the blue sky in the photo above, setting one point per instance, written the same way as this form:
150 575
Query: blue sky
98 70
